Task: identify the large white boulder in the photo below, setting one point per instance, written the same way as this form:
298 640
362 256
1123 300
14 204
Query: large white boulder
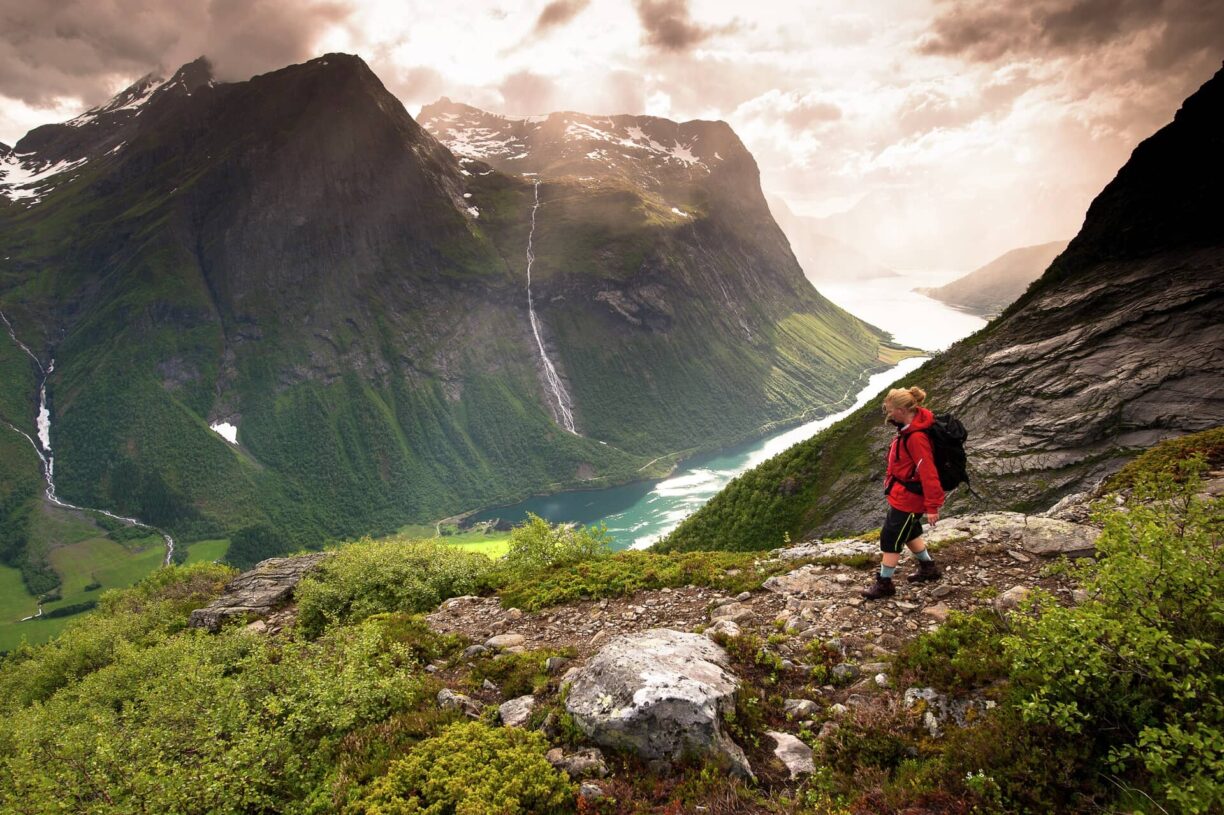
660 694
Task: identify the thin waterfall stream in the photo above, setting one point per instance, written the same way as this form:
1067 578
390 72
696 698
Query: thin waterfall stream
42 447
563 405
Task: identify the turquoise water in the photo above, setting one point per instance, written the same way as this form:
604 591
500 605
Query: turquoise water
639 514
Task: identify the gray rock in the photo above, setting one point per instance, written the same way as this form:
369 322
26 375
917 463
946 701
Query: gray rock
735 612
792 752
555 665
488 685
473 651
586 763
590 791
725 627
516 712
938 708
845 672
743 596
800 708
258 592
1011 599
449 700
659 694
503 641
938 612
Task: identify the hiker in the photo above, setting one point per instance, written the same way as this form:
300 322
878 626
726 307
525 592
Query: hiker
912 486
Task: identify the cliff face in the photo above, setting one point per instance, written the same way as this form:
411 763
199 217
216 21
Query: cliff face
1119 344
295 256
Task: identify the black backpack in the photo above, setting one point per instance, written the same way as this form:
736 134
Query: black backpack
947 437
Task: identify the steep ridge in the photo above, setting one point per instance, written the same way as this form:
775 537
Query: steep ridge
295 257
1117 346
993 287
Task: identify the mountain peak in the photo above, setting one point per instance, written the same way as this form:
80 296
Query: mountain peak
652 151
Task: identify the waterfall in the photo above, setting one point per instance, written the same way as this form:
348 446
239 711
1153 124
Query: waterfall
563 406
43 447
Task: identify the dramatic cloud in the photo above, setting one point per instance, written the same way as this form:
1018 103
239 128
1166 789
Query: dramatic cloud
528 93
559 12
84 50
1164 31
668 25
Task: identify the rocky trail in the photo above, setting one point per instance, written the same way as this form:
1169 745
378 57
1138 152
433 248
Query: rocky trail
655 676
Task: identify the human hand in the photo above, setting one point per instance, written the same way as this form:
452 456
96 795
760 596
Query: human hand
932 517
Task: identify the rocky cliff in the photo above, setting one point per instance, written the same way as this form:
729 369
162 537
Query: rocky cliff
1117 346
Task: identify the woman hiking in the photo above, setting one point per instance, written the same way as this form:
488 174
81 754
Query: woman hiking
911 484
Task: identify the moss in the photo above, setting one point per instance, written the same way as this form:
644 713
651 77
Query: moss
1168 456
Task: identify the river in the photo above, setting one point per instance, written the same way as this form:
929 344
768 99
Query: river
639 514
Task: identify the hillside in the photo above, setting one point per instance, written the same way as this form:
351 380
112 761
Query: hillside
295 261
391 676
1114 348
993 287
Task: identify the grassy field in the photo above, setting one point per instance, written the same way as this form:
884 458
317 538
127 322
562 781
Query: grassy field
491 544
96 562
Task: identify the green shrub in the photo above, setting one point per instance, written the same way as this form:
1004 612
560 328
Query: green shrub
537 544
472 769
516 674
961 655
1138 670
370 577
1170 457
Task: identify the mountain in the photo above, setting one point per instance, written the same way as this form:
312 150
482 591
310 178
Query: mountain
823 258
1117 346
295 261
993 287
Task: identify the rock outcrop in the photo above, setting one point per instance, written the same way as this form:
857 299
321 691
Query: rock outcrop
659 694
256 593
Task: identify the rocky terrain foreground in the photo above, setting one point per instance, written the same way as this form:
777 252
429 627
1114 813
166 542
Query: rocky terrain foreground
655 677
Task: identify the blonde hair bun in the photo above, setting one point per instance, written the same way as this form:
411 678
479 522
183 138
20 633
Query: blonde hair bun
905 398
918 393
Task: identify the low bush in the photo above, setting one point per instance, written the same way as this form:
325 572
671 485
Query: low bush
472 769
537 544
371 577
1138 670
963 654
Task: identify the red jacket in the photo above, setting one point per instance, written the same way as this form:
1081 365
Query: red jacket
910 459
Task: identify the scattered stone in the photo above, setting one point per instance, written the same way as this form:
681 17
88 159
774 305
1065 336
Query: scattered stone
732 611
881 679
1079 597
503 641
828 729
1019 557
488 685
725 627
800 708
257 627
792 752
1011 599
449 700
659 694
586 763
743 596
516 712
873 667
938 612
844 672
554 665
514 614
938 708
942 590
473 651
838 709
590 791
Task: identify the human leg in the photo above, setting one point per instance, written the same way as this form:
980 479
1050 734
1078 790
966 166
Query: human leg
927 570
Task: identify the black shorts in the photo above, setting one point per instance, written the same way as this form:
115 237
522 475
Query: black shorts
899 529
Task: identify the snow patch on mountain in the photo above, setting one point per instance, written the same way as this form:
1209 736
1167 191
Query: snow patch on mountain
25 178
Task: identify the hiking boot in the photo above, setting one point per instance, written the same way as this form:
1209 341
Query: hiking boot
882 587
927 570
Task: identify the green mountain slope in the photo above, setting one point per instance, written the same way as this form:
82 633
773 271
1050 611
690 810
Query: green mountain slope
295 256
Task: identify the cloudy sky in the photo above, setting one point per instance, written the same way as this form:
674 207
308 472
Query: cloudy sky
936 133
